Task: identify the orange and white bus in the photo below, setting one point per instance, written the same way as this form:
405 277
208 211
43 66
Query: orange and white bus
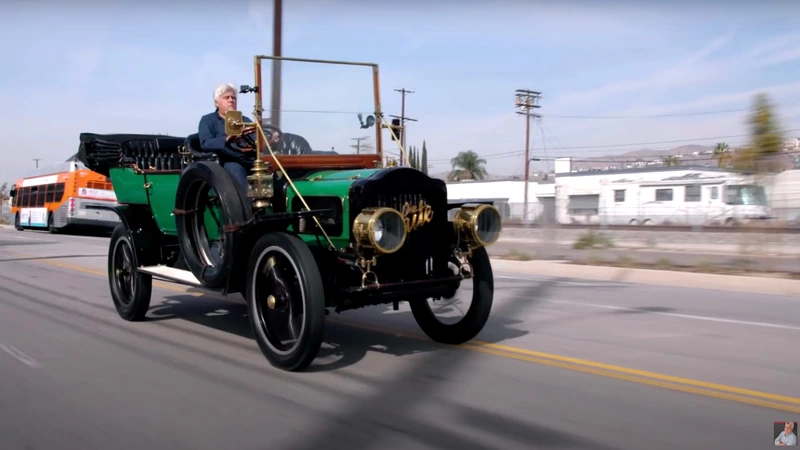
73 197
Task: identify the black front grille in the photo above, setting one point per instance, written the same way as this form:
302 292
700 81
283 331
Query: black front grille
425 250
395 201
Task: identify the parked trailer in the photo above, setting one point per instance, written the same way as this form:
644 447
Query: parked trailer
689 199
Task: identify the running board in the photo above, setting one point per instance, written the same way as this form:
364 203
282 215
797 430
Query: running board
172 274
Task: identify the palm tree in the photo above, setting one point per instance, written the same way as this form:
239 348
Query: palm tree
671 160
467 166
721 153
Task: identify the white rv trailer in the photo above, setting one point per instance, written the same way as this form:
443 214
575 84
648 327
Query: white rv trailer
684 200
666 196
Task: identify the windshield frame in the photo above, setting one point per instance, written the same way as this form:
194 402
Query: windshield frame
258 107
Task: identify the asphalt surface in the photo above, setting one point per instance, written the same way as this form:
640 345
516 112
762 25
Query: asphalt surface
561 365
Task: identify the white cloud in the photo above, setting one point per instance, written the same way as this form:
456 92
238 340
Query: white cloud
688 70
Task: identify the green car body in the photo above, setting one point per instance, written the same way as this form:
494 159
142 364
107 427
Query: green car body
158 191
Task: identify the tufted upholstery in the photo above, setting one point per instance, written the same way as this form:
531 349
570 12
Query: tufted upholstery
193 145
154 154
293 144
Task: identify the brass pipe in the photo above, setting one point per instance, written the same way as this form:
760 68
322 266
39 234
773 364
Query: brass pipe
291 183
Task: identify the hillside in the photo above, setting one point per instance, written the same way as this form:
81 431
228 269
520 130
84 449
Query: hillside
687 155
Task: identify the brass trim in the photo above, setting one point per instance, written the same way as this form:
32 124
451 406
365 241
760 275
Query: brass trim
364 227
466 219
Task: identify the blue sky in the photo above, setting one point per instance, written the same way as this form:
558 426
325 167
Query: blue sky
112 67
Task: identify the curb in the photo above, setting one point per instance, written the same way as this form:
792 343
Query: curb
695 249
730 283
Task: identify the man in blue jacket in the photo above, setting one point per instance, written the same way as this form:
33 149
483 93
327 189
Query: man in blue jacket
235 159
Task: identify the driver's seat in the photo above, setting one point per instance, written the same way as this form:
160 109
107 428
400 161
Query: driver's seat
197 153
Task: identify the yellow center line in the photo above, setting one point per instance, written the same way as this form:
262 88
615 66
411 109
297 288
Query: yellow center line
703 388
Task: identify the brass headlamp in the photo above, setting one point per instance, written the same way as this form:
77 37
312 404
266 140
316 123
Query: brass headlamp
478 225
381 229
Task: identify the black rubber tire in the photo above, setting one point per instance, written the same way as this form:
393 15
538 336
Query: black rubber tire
236 210
475 319
131 306
310 282
17 224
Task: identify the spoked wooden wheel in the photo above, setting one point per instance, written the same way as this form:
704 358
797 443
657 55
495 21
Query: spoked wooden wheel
130 289
285 301
472 303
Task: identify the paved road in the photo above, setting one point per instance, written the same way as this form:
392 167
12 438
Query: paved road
563 364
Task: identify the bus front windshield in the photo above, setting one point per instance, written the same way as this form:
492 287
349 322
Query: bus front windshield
745 194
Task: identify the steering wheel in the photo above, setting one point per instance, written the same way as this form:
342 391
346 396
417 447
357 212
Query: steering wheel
249 135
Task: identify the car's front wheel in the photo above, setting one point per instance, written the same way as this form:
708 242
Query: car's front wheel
285 301
478 309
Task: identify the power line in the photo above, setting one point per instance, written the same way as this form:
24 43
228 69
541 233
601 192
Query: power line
357 145
675 141
650 116
551 116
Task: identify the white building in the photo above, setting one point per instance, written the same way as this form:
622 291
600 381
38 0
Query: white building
658 195
509 197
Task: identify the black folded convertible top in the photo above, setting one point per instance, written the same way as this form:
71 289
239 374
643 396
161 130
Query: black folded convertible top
99 152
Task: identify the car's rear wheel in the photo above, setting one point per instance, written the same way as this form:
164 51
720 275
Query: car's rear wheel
477 313
130 289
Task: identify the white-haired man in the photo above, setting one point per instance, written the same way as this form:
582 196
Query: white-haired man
235 159
786 438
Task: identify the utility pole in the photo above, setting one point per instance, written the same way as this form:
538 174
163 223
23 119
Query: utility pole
527 101
403 118
357 146
36 161
277 33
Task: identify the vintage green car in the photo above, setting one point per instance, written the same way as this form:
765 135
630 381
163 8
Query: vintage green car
315 230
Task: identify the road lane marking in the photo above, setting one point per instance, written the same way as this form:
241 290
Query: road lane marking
52 238
703 388
682 316
561 360
20 356
722 395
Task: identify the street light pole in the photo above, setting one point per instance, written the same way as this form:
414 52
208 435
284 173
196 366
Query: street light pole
526 101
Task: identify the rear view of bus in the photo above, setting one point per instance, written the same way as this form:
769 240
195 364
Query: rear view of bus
75 198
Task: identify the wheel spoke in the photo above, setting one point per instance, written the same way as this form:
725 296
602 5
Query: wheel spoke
291 324
455 309
280 302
